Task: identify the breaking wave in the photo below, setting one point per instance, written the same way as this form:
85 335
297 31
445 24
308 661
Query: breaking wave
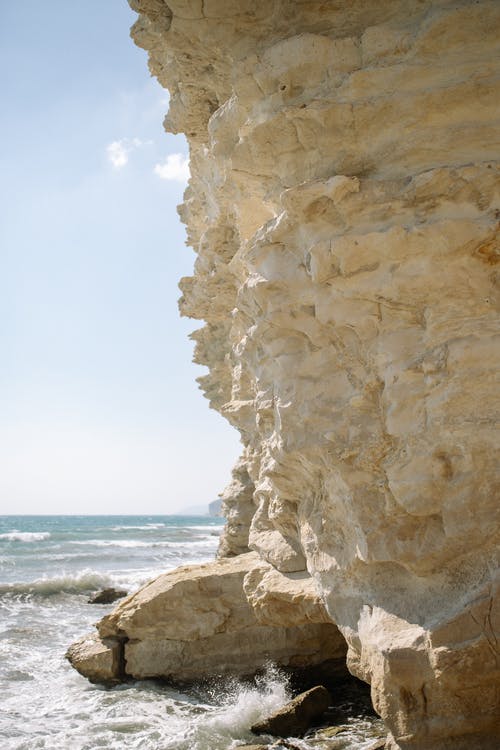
25 536
84 582
237 707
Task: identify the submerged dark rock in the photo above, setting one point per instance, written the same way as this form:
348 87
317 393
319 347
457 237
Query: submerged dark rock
107 596
295 718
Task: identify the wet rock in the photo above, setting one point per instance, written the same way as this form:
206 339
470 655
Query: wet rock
331 732
378 745
295 718
107 596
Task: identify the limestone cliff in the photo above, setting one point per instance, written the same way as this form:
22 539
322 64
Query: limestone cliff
344 207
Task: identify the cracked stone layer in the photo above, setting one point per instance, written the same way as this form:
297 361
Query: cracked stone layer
344 207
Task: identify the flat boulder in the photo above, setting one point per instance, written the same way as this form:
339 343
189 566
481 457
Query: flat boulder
295 718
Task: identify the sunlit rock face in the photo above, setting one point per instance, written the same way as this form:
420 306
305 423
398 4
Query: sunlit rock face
344 207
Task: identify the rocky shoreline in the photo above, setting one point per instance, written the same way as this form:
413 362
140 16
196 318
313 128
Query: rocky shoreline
344 205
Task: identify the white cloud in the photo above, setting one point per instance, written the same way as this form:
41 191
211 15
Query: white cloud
117 154
118 151
175 167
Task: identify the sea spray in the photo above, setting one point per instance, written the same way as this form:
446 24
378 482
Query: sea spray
227 709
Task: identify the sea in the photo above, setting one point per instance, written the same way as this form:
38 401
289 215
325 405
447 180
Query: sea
49 566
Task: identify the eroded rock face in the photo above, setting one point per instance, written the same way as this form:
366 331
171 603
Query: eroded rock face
195 623
344 207
238 510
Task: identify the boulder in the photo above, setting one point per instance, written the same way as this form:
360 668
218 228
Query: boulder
195 622
295 718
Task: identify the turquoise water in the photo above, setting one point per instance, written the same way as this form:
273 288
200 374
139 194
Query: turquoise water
48 567
67 554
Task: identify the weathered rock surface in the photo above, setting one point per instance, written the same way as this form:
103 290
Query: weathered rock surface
195 622
295 717
238 510
344 206
99 660
276 597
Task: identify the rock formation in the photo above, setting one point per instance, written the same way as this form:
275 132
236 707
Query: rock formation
196 623
344 207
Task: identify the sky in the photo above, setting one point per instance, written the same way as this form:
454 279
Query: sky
99 408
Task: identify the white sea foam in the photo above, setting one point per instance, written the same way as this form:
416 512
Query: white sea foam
127 543
136 543
146 527
209 541
207 529
25 536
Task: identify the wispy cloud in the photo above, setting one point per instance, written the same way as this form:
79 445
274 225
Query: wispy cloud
175 167
118 151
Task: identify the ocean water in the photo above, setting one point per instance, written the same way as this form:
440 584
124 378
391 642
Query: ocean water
49 565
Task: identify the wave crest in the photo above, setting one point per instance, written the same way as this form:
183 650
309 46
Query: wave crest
25 536
82 583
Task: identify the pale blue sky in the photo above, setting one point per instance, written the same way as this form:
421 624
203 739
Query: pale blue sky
99 409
